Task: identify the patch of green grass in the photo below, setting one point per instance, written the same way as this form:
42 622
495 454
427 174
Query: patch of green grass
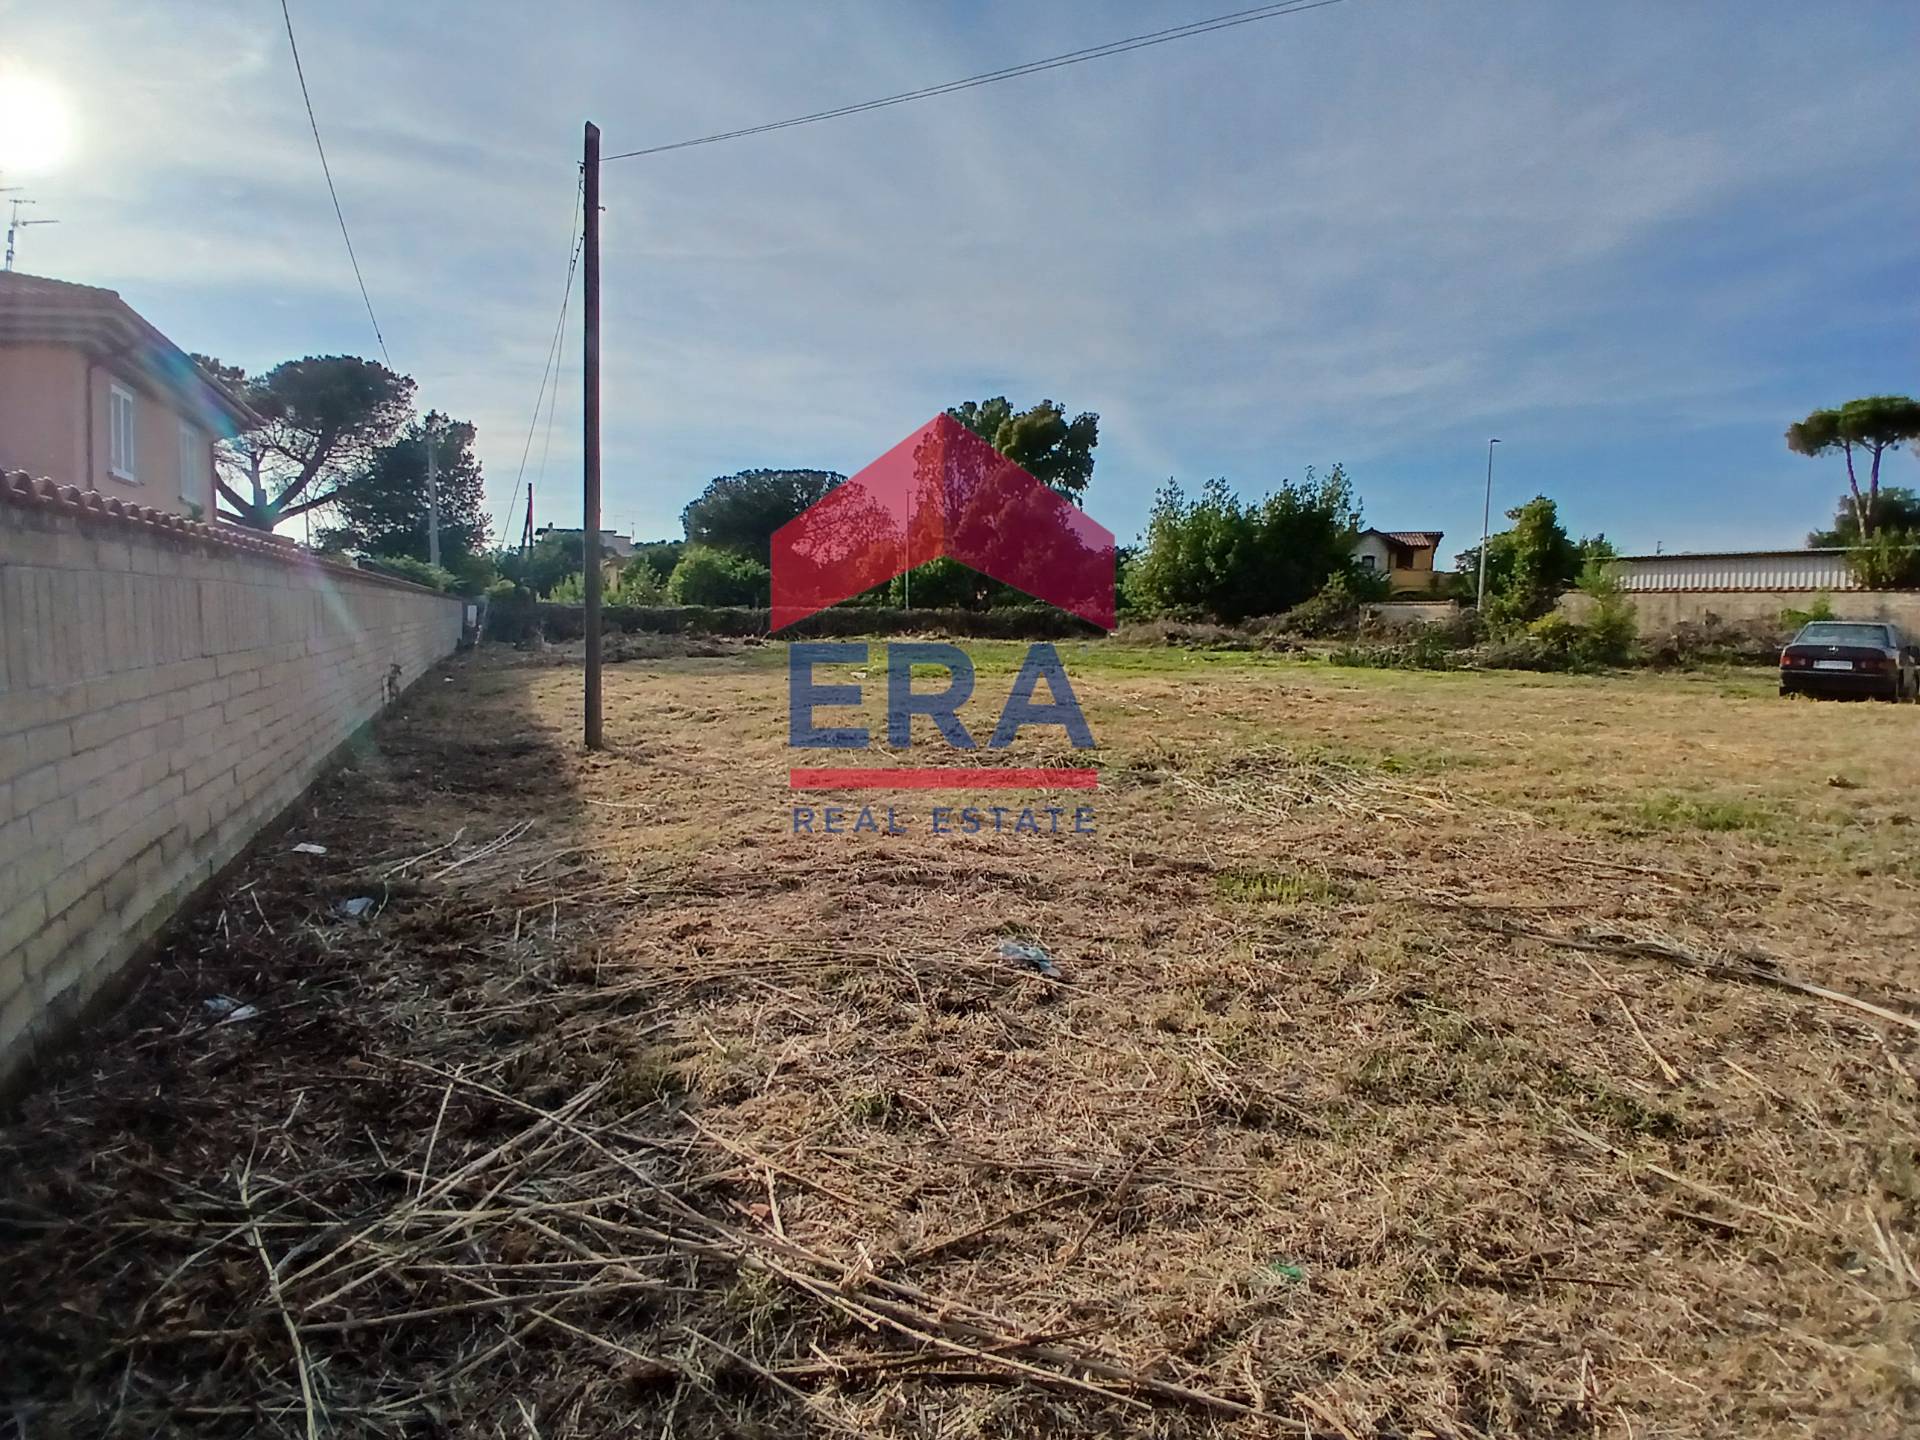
1456 1032
1601 1105
1393 1076
756 1301
1416 759
1668 811
650 1075
871 1107
1276 887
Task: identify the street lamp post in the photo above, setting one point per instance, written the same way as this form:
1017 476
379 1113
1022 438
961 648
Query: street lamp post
1486 517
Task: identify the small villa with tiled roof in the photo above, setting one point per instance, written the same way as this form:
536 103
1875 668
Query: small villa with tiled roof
1404 556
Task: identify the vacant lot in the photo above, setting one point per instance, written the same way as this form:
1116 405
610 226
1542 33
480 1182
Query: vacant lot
1424 1057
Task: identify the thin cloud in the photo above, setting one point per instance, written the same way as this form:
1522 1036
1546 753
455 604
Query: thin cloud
1376 233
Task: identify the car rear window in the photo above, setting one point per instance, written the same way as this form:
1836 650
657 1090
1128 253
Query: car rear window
1823 632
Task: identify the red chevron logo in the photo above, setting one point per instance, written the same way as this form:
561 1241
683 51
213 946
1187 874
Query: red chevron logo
943 491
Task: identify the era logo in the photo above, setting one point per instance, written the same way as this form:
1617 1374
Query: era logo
805 693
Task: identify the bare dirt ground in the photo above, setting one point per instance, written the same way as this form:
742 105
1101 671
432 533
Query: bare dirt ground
1424 1059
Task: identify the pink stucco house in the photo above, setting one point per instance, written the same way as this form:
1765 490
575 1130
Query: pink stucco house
93 396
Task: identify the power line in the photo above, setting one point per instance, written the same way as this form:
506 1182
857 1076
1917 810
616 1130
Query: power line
1010 72
574 239
327 170
553 402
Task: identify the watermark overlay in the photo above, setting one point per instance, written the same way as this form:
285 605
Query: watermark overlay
941 492
944 819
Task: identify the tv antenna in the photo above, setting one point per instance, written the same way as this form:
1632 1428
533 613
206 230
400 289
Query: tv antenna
14 222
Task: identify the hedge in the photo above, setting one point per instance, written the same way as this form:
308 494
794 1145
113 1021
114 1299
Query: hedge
518 620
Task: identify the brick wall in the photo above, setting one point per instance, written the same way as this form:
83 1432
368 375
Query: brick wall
165 690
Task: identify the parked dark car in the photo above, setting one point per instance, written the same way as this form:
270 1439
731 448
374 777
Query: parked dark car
1851 657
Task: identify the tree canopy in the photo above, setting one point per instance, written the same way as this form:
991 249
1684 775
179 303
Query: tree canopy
741 512
1229 559
382 508
1529 565
1056 451
659 556
1872 425
1895 508
322 420
552 559
706 576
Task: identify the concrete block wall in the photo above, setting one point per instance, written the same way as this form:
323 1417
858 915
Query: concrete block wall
166 689
1658 610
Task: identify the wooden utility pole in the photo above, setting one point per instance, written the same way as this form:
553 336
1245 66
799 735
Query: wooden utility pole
433 497
590 416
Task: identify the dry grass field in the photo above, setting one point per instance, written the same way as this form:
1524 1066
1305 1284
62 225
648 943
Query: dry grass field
1429 1054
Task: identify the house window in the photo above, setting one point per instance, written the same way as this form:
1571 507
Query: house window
120 455
193 465
1368 562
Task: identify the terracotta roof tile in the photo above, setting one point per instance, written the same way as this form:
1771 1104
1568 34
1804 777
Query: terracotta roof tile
21 491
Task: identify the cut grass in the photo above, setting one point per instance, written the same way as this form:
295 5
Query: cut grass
1298 1127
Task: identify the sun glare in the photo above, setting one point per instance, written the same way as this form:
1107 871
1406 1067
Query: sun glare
36 128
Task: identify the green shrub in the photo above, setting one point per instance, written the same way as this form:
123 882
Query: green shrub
1557 638
1820 609
1369 587
405 567
1334 610
1610 637
1555 642
1610 634
634 585
1219 557
501 591
637 584
1535 562
1889 561
472 572
706 576
1518 651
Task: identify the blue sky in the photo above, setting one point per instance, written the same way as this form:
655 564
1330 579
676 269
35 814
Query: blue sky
1633 240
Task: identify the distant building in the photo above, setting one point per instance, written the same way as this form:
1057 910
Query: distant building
1405 557
93 396
1739 570
612 546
